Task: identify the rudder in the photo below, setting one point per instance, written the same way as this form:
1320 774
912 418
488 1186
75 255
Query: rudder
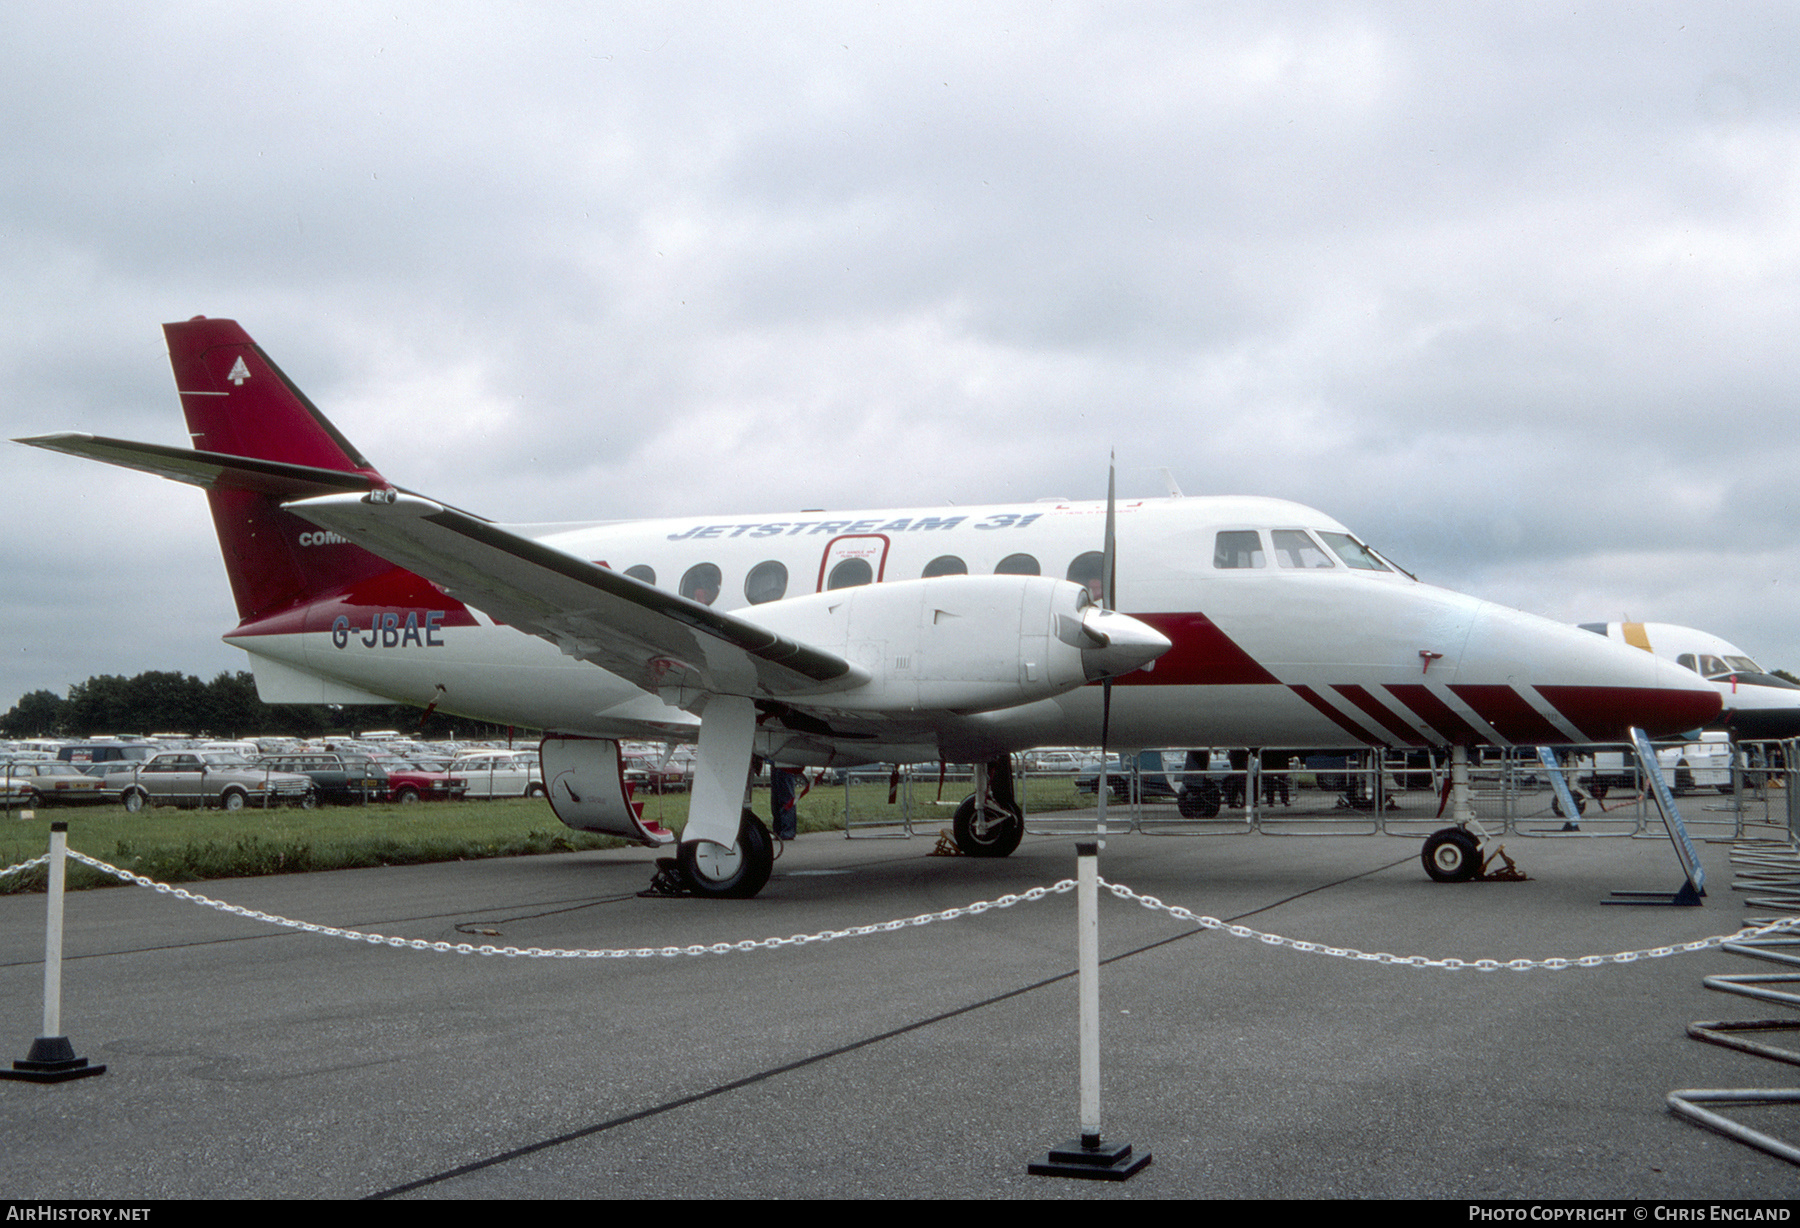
239 403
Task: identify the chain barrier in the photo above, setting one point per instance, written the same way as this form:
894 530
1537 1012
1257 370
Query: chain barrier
1420 961
43 859
949 914
466 948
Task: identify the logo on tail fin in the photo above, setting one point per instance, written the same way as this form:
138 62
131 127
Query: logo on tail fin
239 372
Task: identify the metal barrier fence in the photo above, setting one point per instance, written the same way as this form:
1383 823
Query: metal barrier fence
1726 792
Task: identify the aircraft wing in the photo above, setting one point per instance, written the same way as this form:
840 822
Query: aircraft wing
664 643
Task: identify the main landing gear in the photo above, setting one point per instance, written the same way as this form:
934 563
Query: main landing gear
734 873
989 823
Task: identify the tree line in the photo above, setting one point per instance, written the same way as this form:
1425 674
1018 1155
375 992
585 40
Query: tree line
227 707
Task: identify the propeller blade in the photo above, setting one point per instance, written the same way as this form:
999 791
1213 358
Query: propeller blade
1109 553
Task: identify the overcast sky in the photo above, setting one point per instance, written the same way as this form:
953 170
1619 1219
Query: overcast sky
1511 290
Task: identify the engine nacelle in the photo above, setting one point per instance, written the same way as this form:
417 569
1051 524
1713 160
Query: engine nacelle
962 643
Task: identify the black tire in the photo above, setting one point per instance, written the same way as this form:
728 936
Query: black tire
536 790
407 795
134 801
1684 777
34 800
1580 807
309 800
998 837
735 874
232 799
1198 801
1452 856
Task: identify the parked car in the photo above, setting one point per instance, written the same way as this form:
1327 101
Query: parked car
345 780
499 773
412 781
53 782
193 779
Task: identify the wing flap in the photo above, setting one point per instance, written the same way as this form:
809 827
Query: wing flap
655 639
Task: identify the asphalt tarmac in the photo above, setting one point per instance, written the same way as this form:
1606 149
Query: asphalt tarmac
933 1061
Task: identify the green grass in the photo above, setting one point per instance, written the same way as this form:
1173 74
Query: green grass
175 846
184 845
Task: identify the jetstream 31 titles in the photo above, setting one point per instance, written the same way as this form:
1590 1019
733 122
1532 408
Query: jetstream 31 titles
910 635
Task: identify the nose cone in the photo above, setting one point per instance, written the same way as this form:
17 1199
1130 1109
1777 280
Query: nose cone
1530 678
1118 643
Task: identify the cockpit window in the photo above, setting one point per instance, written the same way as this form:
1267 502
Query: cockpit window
1235 548
1743 664
1294 548
1687 660
1353 552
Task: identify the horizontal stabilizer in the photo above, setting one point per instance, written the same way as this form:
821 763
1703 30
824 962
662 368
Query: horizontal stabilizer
210 470
662 642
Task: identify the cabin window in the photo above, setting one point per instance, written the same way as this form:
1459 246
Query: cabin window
641 572
701 583
1018 565
945 565
1238 548
1294 548
850 574
1353 552
766 582
1090 569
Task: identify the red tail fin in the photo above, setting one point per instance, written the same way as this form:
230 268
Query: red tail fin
240 403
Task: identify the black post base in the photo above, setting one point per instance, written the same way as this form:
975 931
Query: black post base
52 1060
1090 1159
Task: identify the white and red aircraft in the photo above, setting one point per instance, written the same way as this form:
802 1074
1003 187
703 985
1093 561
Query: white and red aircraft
1757 706
914 635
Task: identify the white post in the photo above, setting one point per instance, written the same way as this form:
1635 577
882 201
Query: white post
1087 892
1088 1157
53 931
52 1059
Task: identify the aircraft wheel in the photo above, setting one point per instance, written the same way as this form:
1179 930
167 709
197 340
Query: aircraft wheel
1580 807
997 837
736 873
1452 856
1198 803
